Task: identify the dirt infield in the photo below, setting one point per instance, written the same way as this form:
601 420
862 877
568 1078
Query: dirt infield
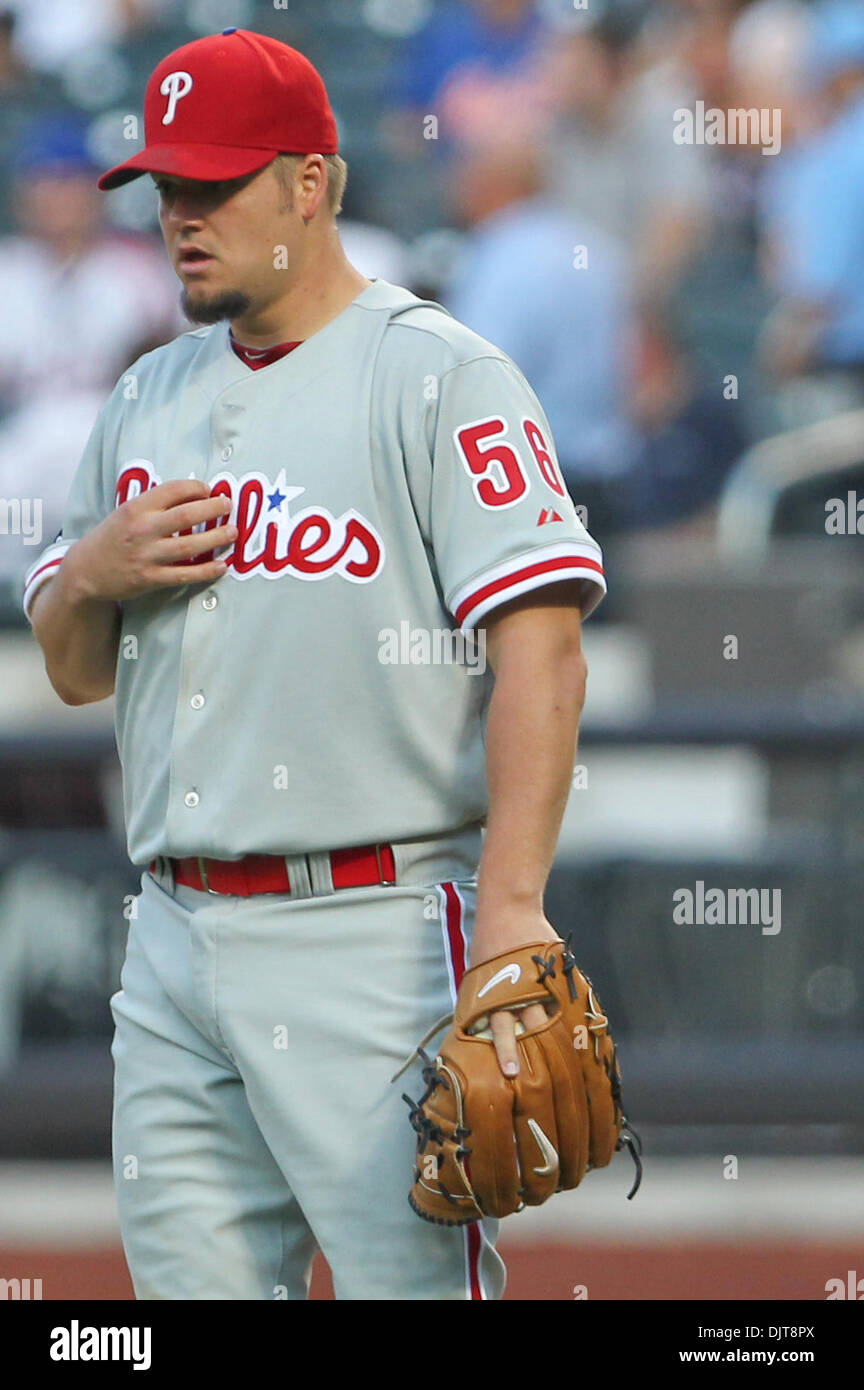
548 1273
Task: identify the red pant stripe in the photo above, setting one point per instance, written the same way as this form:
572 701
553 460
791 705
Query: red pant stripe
457 950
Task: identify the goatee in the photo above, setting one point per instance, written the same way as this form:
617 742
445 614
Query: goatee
230 305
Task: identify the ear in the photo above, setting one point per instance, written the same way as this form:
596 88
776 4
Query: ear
311 185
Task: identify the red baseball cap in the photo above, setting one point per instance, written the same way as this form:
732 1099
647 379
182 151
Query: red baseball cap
227 105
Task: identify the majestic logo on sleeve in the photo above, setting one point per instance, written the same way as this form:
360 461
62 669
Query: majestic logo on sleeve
274 540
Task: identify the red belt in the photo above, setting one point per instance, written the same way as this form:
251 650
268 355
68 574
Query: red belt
268 873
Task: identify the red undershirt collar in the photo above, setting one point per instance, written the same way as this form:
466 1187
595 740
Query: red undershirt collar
261 357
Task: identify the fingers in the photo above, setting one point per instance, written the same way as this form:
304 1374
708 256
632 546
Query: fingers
184 516
205 572
503 1028
157 499
175 549
503 1024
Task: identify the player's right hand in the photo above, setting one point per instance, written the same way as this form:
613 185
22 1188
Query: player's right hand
137 549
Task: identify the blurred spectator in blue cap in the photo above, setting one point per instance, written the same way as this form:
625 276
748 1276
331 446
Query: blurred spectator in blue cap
813 213
23 93
78 297
53 185
80 302
58 142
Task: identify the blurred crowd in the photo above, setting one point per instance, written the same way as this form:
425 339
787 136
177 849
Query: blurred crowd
675 279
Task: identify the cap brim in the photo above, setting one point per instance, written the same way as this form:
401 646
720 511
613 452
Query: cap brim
206 162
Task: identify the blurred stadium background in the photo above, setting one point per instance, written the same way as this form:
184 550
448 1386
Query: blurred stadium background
701 360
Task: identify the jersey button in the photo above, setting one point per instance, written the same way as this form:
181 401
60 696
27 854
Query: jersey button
197 701
191 799
209 601
227 452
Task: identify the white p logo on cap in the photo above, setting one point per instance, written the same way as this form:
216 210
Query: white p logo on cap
174 86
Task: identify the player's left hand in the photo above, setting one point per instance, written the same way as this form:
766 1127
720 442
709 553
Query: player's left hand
504 933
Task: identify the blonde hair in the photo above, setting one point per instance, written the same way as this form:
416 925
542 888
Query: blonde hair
285 166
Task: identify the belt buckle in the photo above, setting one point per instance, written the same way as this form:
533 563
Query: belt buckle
204 879
385 882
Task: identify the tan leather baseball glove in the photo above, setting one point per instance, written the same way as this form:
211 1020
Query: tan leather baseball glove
487 1144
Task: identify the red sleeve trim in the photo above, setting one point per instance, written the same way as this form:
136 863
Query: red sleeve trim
49 565
565 562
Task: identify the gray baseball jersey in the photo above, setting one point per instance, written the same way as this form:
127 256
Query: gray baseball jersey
393 480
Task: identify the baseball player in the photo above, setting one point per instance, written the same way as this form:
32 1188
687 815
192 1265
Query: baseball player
275 519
